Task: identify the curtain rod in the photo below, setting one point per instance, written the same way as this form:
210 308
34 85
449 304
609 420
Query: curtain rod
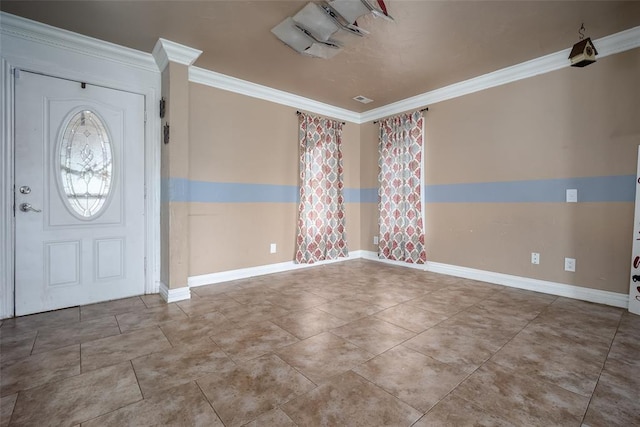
300 112
423 110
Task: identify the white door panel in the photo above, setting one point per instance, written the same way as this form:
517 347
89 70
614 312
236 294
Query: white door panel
80 152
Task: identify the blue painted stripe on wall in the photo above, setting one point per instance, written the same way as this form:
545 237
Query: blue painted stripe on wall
619 188
351 195
183 190
369 195
222 192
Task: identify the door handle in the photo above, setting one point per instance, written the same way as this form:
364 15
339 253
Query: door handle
26 207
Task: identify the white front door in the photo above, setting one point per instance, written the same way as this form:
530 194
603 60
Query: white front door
79 193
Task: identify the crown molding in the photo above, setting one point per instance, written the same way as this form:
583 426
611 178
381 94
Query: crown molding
233 84
609 45
15 26
166 51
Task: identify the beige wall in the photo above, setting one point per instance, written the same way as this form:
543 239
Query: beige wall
564 124
239 139
369 179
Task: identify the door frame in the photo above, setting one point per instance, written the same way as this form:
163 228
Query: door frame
38 48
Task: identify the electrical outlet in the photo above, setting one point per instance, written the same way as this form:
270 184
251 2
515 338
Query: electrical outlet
570 264
572 195
272 249
535 258
375 240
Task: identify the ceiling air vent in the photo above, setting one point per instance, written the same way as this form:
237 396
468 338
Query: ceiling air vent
363 99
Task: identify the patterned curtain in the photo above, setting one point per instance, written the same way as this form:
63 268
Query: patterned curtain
321 220
399 195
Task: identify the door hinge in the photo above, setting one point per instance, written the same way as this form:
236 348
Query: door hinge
145 192
145 117
16 73
145 266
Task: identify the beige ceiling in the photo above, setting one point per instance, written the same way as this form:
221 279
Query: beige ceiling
431 43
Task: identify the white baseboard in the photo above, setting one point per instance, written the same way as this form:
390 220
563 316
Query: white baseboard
374 257
576 292
173 295
244 273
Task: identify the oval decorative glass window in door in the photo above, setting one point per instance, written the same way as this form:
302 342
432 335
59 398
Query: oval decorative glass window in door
86 164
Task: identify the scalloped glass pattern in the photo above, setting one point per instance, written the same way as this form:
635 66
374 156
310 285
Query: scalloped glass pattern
86 164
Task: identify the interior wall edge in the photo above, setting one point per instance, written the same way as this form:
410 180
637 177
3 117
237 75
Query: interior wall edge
554 288
244 273
598 296
174 295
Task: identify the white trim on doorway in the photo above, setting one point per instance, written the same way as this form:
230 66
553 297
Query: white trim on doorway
39 48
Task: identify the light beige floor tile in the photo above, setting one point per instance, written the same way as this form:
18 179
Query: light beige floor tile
350 400
16 346
349 309
149 317
558 362
614 403
295 301
182 406
446 301
521 399
460 323
76 333
462 351
251 296
241 394
308 322
77 399
215 289
158 372
625 346
586 346
253 313
196 329
410 317
412 377
111 308
454 412
630 324
200 306
50 319
497 330
272 418
323 356
385 296
34 371
152 300
250 341
113 350
7 404
373 334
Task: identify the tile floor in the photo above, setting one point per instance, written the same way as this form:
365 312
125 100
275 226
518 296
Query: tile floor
356 343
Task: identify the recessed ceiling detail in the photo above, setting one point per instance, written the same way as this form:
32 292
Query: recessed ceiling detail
321 29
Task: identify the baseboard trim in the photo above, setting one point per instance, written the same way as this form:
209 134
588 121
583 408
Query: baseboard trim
244 273
561 289
174 295
373 256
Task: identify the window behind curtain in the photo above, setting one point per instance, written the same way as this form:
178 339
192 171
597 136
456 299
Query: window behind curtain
400 176
321 221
